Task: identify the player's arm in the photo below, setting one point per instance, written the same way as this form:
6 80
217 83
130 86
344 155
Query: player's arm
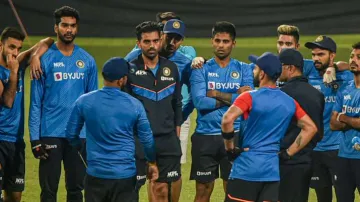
351 122
241 106
176 103
308 131
188 51
247 84
335 123
74 126
9 91
198 92
36 98
134 53
92 81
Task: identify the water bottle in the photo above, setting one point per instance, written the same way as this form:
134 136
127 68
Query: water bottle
356 142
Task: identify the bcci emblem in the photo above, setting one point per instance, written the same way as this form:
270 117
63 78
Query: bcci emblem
176 25
166 71
319 38
80 64
235 75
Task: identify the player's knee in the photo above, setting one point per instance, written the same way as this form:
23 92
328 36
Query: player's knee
160 190
12 197
204 189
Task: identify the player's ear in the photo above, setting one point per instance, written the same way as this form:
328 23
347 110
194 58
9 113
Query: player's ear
297 46
234 43
56 28
138 43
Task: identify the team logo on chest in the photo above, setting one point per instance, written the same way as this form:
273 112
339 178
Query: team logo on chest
80 64
166 71
235 75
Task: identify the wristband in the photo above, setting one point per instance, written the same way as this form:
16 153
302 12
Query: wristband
228 136
338 116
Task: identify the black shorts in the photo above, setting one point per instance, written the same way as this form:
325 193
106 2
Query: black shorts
325 169
348 179
208 155
242 190
109 190
294 182
168 154
12 160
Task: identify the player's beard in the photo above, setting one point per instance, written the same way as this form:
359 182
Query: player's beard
322 66
354 68
66 41
256 80
149 55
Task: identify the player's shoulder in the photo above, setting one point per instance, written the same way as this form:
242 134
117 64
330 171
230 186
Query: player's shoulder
167 63
84 98
134 54
182 57
52 51
4 73
188 51
84 53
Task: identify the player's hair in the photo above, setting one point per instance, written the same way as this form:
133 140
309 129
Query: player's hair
13 33
356 45
66 11
146 27
226 27
290 30
166 16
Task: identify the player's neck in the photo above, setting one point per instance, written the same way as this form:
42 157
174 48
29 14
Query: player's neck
357 80
65 49
2 61
222 62
151 63
265 83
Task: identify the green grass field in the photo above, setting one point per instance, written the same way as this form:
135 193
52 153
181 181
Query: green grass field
102 49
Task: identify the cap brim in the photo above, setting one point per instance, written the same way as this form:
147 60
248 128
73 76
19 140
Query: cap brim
174 32
312 45
253 58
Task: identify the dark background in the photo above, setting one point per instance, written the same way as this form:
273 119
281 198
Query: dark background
117 18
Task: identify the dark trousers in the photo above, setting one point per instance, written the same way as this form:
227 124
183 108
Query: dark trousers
294 182
50 170
109 190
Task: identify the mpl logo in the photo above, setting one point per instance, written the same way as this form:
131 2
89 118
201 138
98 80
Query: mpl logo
213 74
140 73
347 97
59 64
172 174
19 181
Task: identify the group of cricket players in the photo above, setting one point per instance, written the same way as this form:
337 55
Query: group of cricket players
271 127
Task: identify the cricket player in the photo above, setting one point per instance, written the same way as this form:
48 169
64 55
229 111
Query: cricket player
214 88
255 173
345 118
111 171
12 145
171 40
68 72
296 172
325 155
155 81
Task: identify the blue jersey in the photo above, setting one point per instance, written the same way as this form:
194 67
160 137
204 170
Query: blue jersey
184 66
330 140
110 144
348 101
213 77
64 80
268 112
12 120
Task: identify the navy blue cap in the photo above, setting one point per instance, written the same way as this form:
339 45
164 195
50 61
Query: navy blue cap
115 68
269 63
290 56
175 26
323 42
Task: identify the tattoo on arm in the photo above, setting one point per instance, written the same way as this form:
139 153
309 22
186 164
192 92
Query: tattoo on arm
298 141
